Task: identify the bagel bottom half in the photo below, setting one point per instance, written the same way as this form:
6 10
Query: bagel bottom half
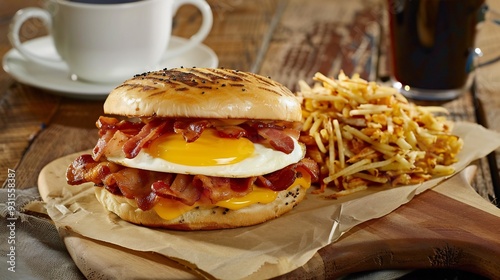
203 218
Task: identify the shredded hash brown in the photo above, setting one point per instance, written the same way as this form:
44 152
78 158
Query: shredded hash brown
363 134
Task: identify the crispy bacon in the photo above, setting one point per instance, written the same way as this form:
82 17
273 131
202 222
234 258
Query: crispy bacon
144 186
180 188
128 127
134 184
146 202
191 131
106 124
278 180
84 169
219 188
108 127
283 178
311 167
146 135
100 147
232 131
75 174
241 185
278 139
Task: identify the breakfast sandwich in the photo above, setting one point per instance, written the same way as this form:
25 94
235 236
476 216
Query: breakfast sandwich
198 148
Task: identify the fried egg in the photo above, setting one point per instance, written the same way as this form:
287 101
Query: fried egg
210 155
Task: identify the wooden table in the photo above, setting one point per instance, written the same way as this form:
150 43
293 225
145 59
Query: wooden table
287 40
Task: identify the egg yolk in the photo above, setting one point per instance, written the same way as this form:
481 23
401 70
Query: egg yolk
208 150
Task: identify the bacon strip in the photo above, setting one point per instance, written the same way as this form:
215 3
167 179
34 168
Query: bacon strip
128 127
278 180
232 131
311 167
107 129
102 144
278 139
191 131
148 133
84 169
181 188
219 188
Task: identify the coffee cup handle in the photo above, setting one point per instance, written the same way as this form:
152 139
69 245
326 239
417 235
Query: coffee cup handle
22 16
202 33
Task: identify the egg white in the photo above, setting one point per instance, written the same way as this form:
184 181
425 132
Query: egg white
263 161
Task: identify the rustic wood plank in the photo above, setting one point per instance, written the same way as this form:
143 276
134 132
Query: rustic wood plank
238 31
451 241
488 84
341 35
70 130
24 113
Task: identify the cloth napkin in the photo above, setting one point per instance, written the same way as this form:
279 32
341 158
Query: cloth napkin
39 251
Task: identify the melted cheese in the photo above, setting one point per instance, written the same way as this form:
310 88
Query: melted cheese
169 209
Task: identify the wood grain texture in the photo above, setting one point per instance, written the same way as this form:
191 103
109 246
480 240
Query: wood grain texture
433 231
24 115
337 35
240 30
99 260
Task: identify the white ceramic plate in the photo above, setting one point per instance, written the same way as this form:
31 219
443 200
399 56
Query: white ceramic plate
57 79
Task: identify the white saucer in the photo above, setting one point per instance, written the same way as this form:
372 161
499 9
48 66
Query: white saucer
58 81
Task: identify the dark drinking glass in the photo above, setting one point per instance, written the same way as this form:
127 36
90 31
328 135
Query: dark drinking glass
432 44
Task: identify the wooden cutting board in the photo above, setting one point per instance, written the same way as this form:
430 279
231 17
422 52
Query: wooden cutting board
435 229
431 231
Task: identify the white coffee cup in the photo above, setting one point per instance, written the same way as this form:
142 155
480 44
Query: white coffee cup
108 43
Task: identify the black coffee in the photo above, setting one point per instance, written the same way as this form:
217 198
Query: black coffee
432 41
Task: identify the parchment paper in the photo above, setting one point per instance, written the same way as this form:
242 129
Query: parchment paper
272 248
